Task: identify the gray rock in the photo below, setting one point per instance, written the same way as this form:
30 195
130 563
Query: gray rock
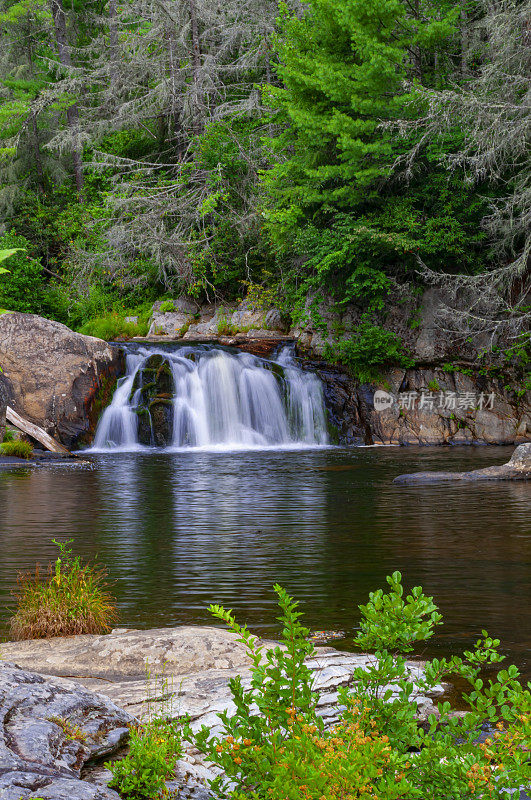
56 376
48 731
518 468
168 324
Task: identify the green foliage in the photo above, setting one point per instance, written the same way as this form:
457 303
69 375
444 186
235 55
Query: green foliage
390 622
275 745
72 598
154 749
4 255
167 305
16 448
114 326
370 350
24 291
9 435
172 199
342 66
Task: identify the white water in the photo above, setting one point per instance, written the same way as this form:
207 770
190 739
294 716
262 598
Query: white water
223 400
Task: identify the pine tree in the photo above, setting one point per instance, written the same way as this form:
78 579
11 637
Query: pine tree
343 66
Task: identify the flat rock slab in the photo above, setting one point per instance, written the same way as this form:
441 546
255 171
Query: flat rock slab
127 655
49 730
517 469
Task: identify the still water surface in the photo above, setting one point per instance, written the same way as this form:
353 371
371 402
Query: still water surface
179 531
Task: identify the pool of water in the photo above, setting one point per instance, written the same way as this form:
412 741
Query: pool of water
178 531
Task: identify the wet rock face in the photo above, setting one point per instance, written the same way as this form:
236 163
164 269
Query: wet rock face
156 388
55 375
353 418
479 411
48 731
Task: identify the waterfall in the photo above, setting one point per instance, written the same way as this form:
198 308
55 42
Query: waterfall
219 399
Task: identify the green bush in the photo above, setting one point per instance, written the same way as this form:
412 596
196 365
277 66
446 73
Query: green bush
15 447
167 305
24 288
151 761
72 598
275 745
370 350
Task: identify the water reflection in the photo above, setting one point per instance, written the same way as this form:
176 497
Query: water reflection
180 531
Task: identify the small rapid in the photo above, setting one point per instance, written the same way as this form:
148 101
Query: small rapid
212 398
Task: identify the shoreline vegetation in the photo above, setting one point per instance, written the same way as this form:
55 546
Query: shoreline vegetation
69 599
274 742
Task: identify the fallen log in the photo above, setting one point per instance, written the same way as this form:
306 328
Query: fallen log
35 432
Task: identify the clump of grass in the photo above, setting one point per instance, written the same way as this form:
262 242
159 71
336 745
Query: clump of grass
72 732
70 598
16 448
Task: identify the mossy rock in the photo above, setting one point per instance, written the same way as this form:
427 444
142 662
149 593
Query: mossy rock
155 403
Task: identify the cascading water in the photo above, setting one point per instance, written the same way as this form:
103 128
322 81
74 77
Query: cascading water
218 399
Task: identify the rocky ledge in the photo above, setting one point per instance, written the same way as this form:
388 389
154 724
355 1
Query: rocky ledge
97 684
518 468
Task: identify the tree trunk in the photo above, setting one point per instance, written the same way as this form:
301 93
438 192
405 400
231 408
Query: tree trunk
41 180
113 42
35 432
175 132
196 68
464 43
72 114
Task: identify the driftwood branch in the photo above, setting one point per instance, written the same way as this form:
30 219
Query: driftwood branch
35 432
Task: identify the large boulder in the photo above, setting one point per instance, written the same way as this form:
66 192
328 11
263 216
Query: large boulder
60 380
48 732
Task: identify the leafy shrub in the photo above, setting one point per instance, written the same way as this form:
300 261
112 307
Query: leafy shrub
166 306
4 255
151 761
24 288
369 351
72 598
9 435
275 745
16 447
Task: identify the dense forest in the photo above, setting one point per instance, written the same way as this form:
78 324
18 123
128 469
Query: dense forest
358 149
